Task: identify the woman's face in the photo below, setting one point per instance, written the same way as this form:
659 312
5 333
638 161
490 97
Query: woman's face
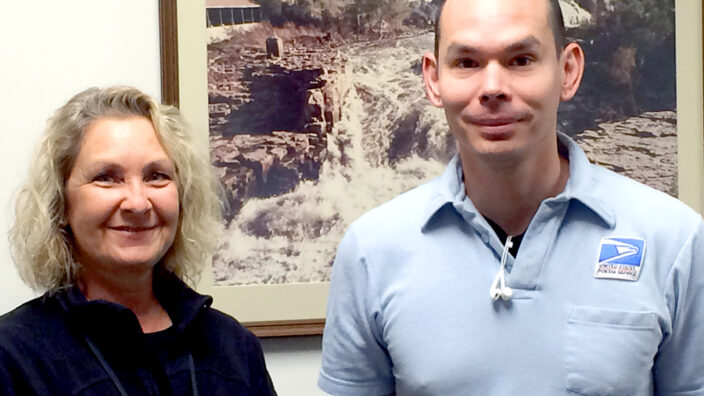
121 197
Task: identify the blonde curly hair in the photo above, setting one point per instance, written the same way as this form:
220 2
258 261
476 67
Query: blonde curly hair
39 241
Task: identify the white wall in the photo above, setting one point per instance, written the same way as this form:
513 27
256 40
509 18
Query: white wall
54 49
293 363
48 52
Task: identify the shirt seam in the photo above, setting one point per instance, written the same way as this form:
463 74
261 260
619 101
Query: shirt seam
329 382
669 281
374 292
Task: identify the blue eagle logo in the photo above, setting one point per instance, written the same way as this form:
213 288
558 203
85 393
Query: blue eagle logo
624 251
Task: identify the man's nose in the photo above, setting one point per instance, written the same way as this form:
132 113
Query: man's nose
136 198
494 87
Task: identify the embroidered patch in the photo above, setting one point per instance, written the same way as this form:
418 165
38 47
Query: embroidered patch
620 258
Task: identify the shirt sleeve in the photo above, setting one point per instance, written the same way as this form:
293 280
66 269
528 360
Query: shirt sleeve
261 374
355 358
12 380
679 366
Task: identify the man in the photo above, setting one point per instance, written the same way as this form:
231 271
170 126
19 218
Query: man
523 269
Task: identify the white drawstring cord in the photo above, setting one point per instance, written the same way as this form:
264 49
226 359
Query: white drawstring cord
504 292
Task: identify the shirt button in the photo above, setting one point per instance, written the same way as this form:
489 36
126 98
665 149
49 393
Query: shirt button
485 238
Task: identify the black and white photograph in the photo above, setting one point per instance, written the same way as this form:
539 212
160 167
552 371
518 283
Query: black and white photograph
317 113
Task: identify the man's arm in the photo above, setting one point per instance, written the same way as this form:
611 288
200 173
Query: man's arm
679 366
355 359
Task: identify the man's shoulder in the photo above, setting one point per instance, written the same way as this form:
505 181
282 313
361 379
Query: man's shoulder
632 200
623 187
407 211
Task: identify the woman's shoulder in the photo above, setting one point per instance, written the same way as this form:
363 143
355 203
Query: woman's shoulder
27 326
29 314
222 334
225 325
226 344
193 310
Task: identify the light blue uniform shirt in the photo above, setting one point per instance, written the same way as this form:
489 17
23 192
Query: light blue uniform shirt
409 308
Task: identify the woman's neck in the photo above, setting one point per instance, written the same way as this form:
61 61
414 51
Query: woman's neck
134 292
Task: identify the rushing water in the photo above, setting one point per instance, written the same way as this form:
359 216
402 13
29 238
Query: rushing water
389 140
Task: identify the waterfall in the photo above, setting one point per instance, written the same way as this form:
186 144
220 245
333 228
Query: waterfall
388 141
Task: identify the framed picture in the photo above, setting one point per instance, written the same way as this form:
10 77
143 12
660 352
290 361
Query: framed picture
313 116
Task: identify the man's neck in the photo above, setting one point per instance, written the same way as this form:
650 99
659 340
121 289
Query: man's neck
509 193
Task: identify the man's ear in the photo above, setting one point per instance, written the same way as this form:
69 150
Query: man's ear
430 77
572 62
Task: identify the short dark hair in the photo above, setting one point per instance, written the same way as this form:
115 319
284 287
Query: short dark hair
557 25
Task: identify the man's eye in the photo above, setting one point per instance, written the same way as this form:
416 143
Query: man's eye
521 61
467 63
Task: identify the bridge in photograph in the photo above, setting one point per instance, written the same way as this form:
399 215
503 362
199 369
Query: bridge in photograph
232 12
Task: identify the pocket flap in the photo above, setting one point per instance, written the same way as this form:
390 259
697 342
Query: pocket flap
631 319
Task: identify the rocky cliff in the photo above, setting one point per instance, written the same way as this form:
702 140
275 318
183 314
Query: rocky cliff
270 117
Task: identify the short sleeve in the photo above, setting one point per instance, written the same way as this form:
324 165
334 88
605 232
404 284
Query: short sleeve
679 366
355 358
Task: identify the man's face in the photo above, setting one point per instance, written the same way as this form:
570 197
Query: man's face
498 77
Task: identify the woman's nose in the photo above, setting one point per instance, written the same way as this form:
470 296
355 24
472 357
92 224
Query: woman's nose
135 198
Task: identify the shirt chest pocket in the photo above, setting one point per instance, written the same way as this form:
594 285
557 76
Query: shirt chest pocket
610 352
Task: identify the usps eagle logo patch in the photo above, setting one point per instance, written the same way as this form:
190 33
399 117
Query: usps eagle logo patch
620 258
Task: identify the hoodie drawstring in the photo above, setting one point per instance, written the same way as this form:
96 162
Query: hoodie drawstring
106 366
116 381
192 368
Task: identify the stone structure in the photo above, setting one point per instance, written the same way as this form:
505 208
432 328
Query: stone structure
274 47
269 117
231 12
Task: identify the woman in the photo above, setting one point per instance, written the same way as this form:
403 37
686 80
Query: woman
120 207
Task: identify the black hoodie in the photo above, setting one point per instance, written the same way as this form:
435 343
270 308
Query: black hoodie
62 344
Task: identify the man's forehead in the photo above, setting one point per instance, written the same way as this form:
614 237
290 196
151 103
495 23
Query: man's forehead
527 43
494 9
482 20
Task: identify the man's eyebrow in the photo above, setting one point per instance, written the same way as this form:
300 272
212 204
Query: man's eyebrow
528 42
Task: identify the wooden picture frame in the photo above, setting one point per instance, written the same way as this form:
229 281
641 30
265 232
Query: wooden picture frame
268 311
299 309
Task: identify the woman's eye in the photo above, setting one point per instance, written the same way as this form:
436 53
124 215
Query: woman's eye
158 177
105 178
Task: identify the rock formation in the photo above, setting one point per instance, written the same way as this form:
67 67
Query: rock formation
270 116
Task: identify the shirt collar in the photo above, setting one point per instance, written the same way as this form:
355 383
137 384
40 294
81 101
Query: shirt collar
582 186
180 301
